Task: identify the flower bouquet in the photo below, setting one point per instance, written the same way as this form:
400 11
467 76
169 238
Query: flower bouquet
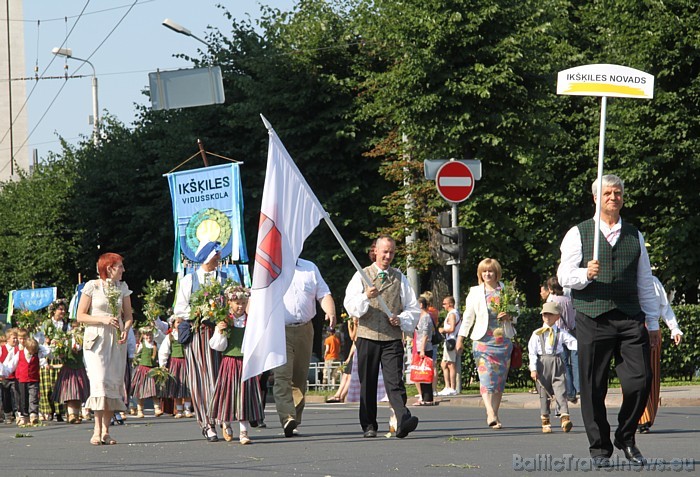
113 293
160 376
65 345
155 293
507 300
27 320
209 304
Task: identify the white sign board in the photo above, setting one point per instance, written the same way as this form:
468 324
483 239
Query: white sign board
186 88
606 80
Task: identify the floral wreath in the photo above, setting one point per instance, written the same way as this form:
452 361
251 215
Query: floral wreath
237 292
55 304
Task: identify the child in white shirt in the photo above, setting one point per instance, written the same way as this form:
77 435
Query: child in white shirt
547 367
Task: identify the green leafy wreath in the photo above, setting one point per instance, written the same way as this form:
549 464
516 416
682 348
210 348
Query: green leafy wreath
208 214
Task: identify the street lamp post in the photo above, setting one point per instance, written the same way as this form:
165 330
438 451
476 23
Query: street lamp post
176 27
68 53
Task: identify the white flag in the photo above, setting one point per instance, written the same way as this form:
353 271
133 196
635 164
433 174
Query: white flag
289 213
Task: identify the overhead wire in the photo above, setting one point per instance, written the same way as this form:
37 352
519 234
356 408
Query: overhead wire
48 108
26 100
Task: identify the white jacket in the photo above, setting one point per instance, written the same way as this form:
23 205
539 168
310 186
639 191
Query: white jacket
476 313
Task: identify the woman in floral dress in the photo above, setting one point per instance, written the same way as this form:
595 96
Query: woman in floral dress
491 337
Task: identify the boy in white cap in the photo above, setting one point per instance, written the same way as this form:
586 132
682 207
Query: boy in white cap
547 367
202 361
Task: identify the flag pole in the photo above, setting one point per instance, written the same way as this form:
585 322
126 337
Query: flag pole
328 221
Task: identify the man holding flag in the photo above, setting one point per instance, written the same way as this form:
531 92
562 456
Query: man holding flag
299 310
379 338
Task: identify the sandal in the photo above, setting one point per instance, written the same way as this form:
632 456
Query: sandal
107 440
333 400
426 403
95 440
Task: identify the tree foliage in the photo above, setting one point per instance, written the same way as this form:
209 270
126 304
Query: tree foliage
361 92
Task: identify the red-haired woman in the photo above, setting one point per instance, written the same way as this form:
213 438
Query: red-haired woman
105 309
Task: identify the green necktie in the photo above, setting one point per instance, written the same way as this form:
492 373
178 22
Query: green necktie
382 276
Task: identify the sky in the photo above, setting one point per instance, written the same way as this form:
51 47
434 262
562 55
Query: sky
139 45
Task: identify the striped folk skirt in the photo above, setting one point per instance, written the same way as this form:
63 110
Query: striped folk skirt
142 385
177 386
47 382
654 400
202 369
71 385
233 400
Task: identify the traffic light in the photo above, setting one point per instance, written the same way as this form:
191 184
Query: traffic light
458 241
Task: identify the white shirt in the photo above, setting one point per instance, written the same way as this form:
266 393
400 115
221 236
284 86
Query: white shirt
575 277
300 299
10 364
534 347
219 341
184 291
356 302
455 331
665 310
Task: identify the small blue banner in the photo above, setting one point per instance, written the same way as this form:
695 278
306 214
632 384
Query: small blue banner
33 300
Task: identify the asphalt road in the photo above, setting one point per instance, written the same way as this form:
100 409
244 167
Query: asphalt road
449 441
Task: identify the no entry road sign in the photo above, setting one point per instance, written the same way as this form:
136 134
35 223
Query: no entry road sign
454 181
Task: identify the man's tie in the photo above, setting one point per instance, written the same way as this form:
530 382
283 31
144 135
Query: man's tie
382 276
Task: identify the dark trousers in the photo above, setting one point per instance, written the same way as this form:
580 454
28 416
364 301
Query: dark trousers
370 354
28 398
625 338
10 396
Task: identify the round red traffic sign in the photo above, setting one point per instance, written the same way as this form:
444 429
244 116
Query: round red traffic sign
454 181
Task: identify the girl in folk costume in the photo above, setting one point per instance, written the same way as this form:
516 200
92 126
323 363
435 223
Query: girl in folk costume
172 356
234 400
48 374
25 365
143 386
72 385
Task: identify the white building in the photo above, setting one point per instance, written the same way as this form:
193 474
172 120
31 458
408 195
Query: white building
14 152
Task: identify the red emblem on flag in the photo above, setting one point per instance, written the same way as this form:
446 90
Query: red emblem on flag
268 255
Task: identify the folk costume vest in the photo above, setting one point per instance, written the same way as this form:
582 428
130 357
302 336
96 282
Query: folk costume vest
616 284
27 371
374 325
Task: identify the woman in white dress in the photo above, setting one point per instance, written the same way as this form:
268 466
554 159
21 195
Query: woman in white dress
105 309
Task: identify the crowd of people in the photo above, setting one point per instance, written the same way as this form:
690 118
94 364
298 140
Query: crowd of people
601 305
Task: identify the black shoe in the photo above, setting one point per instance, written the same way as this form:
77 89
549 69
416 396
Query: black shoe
572 400
631 452
253 423
601 462
209 438
289 427
262 425
118 419
644 429
59 417
370 433
408 426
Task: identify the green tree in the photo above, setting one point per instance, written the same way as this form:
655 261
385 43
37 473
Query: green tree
38 244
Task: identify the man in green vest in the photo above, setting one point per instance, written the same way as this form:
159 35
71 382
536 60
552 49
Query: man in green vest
615 316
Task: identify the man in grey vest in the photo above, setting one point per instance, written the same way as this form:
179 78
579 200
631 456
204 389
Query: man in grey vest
379 338
615 316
